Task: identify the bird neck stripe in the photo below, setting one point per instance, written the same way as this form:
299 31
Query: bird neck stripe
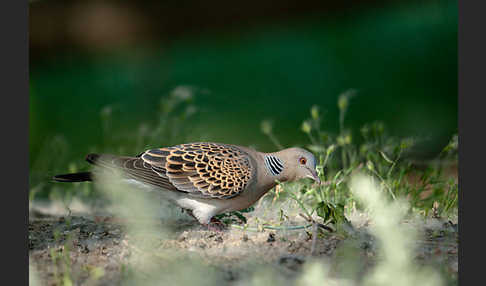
274 164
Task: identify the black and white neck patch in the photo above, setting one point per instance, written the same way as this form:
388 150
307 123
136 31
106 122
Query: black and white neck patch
274 164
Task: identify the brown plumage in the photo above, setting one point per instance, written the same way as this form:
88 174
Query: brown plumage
206 170
208 178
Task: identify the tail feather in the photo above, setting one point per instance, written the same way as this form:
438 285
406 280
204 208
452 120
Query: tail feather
74 177
103 160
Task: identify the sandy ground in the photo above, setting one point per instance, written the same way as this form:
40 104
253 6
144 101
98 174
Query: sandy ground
101 249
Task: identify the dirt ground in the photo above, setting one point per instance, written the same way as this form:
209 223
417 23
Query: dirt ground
103 250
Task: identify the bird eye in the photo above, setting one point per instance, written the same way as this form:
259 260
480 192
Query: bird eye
303 160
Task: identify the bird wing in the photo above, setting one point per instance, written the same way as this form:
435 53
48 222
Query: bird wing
207 170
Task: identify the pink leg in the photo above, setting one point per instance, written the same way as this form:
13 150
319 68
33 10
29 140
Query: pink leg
216 225
213 225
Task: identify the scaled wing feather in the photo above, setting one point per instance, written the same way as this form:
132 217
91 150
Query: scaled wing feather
208 170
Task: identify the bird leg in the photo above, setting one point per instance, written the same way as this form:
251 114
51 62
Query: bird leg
213 225
216 225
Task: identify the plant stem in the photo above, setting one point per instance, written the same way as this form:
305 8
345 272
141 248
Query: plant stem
272 227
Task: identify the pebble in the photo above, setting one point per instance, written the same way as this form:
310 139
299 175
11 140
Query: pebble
271 237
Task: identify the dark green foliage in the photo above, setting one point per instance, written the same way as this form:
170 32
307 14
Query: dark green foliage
379 155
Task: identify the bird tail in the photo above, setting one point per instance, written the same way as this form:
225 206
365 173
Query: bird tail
80 176
103 160
74 177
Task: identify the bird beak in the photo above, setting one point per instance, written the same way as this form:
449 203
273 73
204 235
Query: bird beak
313 175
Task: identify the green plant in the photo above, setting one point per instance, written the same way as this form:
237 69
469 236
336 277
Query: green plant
378 154
61 259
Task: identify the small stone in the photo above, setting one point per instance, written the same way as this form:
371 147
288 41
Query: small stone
84 249
271 237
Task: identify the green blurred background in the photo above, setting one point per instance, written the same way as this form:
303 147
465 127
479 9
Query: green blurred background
100 72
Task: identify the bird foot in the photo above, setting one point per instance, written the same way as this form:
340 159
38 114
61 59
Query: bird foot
213 225
216 225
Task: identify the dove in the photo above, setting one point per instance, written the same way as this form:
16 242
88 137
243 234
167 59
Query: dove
206 178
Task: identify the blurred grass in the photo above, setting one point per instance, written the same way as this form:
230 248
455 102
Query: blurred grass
402 59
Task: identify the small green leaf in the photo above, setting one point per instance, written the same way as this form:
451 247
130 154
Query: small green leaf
306 127
385 157
370 166
266 127
315 112
240 216
330 149
322 210
316 148
247 210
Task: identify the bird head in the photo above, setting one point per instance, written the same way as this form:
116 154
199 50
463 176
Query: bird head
299 164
